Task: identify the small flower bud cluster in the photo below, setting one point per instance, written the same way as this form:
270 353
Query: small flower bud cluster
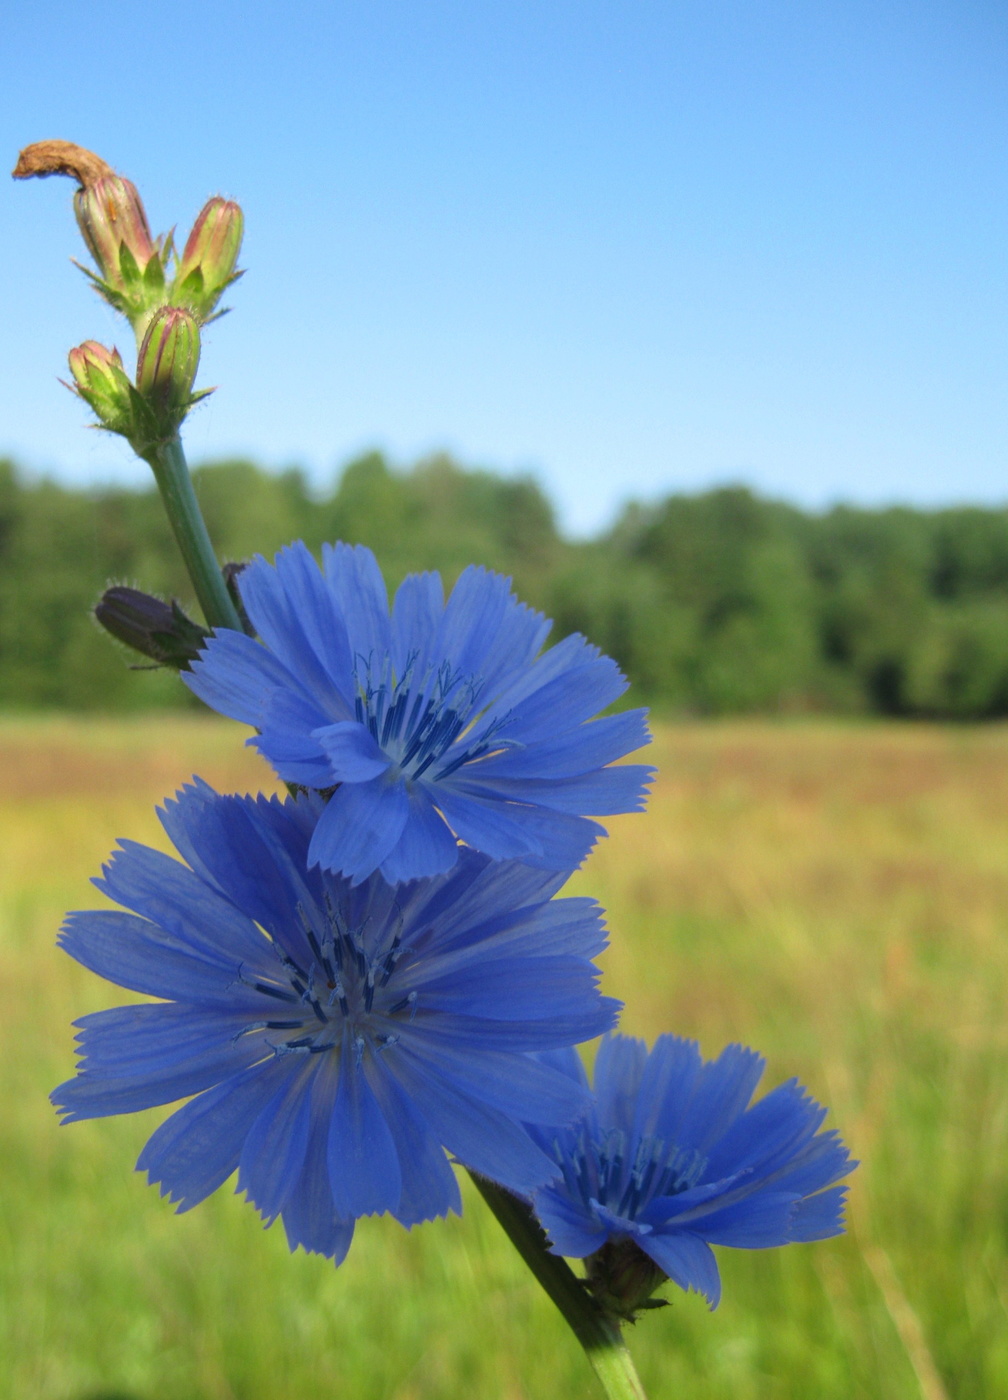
139 274
152 409
165 305
164 296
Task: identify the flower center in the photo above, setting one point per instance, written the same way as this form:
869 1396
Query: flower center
603 1171
416 718
346 988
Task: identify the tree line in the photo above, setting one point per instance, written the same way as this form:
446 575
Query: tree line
716 603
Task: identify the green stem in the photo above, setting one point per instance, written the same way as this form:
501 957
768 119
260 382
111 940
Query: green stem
596 1330
167 461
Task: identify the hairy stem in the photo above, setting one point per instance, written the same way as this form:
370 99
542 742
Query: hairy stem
167 461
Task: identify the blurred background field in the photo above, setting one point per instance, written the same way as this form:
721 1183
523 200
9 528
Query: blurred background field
834 893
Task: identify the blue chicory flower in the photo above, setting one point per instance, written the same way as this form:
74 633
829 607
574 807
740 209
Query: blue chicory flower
432 722
673 1158
337 1038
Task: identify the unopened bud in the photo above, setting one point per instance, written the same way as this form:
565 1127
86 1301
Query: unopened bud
156 629
168 359
210 255
101 381
112 220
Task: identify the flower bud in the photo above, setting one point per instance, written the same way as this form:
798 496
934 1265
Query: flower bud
208 260
156 629
622 1278
111 218
101 381
168 359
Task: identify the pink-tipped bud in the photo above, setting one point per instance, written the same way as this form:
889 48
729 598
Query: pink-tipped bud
210 255
168 359
102 383
112 220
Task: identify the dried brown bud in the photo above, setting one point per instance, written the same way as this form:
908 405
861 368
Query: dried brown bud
60 158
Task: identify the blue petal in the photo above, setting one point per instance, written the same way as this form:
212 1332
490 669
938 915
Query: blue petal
426 843
566 700
760 1221
198 1147
557 841
481 1137
723 1089
688 1262
606 792
510 989
475 625
278 600
356 584
236 676
579 750
518 640
824 1160
520 1086
480 895
360 825
770 1134
819 1217
667 1084
619 1069
309 1216
567 1061
274 1151
488 826
572 926
566 841
416 614
569 654
320 626
429 1188
107 1089
178 901
352 752
690 1208
592 1019
135 953
157 1037
573 1230
287 739
235 840
363 1163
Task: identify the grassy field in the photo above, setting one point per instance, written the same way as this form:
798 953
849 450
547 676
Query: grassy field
835 896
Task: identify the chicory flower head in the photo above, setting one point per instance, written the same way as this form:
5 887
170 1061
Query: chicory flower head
427 724
673 1158
338 1039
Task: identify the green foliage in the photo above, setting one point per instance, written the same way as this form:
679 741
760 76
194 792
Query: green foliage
719 603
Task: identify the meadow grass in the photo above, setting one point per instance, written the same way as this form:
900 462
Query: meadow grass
836 896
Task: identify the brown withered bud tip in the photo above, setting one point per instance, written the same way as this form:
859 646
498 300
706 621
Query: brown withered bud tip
61 158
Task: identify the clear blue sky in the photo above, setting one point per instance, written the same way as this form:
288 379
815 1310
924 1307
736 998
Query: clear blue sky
632 247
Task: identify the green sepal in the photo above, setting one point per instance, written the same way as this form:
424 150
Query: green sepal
128 265
154 276
125 305
145 429
189 292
